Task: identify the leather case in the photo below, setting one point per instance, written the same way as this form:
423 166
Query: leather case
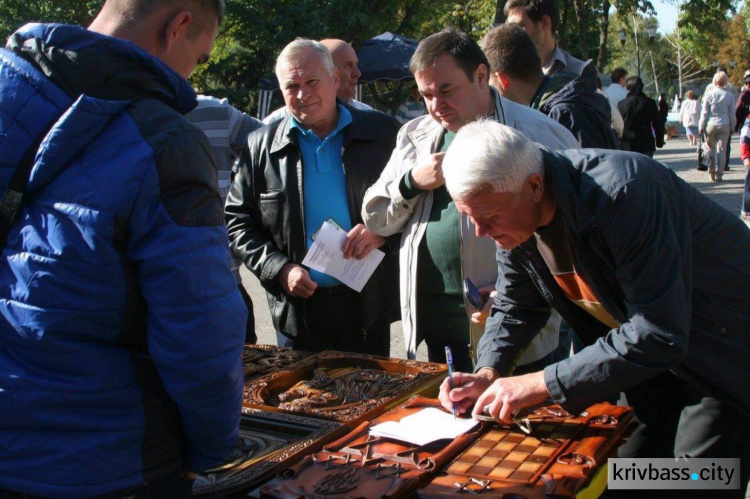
345 387
557 459
359 465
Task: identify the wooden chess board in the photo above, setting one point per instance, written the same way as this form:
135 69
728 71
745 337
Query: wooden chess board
557 459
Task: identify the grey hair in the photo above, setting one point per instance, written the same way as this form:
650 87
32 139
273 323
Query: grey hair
720 79
297 48
488 153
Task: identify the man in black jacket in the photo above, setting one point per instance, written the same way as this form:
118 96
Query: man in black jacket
297 173
568 98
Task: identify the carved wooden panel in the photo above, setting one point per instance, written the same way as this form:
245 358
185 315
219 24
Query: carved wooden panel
360 466
268 442
344 387
262 359
557 458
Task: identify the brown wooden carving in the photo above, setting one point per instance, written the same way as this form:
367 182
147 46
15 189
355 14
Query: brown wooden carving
360 466
344 387
269 441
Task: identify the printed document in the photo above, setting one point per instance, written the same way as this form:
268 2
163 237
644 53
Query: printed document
424 427
325 256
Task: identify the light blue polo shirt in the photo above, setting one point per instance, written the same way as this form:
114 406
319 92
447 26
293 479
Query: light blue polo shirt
324 183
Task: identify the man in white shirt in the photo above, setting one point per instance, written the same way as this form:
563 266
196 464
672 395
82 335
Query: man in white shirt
616 91
345 59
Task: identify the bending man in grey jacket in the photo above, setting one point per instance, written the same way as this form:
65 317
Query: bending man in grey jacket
438 246
650 273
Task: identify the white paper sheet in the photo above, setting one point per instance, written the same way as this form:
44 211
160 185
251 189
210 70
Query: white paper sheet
424 427
325 256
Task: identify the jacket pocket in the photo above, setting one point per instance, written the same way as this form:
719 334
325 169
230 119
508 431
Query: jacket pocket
272 210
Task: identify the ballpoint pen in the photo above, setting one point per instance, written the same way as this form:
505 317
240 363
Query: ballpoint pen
449 361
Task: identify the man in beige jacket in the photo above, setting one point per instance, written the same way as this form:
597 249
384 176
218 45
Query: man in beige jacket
439 248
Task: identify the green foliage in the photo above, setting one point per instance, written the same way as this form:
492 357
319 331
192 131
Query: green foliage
255 31
16 13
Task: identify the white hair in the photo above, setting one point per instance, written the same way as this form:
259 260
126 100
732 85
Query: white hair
488 153
720 79
298 49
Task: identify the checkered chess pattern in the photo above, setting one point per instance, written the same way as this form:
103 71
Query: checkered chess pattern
514 457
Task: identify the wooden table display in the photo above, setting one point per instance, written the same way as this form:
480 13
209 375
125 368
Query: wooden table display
262 359
269 441
557 459
362 466
344 387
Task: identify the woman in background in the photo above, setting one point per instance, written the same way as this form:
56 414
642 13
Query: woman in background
640 115
717 121
689 115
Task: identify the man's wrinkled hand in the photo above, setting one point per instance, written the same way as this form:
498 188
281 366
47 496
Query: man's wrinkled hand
428 175
506 396
468 387
360 241
295 281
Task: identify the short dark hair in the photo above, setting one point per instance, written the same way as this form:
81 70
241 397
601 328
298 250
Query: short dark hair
206 11
203 20
455 42
617 74
634 85
536 9
510 50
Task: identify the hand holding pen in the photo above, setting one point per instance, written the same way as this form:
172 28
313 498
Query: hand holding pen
449 361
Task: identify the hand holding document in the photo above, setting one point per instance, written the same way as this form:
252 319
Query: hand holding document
325 256
424 427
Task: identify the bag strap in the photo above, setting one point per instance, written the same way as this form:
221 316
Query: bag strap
13 195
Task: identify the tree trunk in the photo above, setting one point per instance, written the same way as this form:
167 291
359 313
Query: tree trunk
679 69
653 68
499 16
601 59
580 6
563 28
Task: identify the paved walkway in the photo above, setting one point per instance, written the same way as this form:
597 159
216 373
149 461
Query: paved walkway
677 154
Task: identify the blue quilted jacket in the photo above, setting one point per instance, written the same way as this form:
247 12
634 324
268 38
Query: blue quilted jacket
121 326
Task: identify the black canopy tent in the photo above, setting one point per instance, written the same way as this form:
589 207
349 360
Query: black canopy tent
382 58
386 57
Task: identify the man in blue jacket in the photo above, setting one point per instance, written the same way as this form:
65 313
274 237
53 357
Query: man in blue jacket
651 274
121 325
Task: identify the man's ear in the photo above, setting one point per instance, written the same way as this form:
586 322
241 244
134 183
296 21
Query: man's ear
337 77
481 75
502 80
176 28
546 23
535 183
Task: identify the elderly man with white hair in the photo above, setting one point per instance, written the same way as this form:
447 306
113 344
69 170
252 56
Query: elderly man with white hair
345 59
297 173
653 275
